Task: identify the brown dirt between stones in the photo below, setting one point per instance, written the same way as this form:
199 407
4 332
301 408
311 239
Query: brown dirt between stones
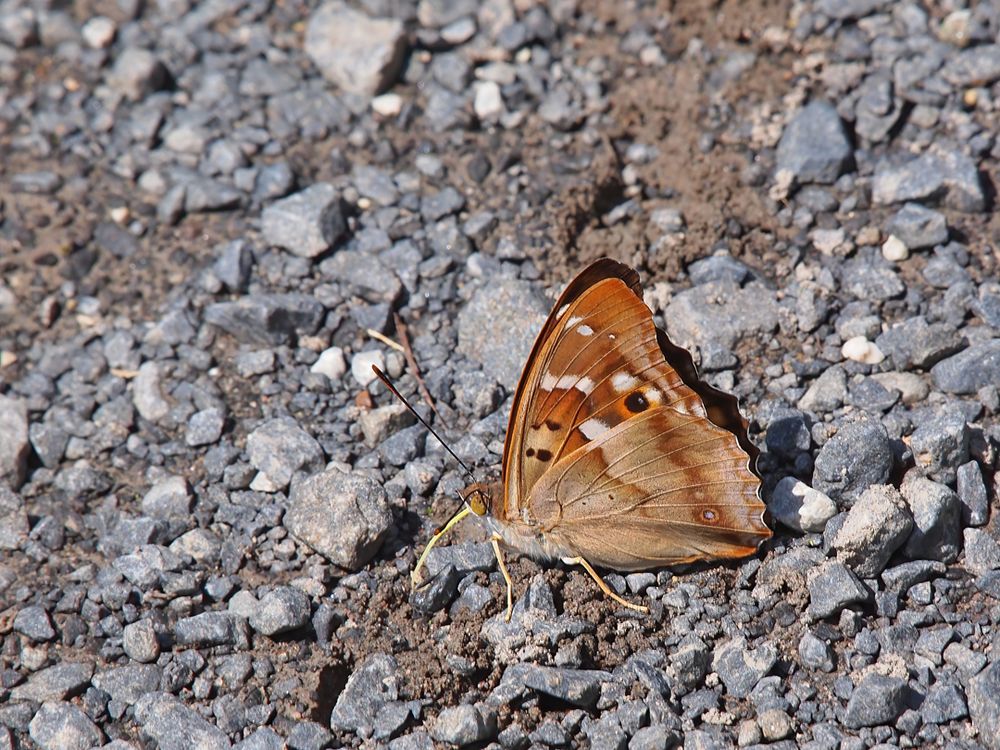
667 108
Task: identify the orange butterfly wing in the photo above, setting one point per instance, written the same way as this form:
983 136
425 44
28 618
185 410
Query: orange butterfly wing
606 436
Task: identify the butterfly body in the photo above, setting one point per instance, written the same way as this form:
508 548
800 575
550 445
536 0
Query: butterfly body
616 452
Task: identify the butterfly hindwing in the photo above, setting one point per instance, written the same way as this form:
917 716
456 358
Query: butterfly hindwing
660 489
599 362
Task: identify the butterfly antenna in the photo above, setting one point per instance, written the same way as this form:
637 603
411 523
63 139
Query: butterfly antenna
388 384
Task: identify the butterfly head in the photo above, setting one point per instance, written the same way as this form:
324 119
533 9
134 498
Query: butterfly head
479 497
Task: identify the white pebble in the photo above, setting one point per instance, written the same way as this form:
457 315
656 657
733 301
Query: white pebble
361 366
862 350
828 241
387 105
488 103
894 249
331 363
798 506
99 32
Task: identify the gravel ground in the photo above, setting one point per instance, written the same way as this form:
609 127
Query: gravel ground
208 512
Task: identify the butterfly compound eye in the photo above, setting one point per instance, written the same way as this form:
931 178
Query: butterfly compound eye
477 502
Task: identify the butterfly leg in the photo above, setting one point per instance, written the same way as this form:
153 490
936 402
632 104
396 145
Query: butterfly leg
415 578
600 582
506 576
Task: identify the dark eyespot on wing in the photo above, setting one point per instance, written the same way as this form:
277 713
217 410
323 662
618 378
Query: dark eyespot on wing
552 424
543 455
635 402
530 452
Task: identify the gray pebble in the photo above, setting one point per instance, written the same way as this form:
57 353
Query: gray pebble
147 394
982 550
168 498
368 704
307 223
490 327
941 443
936 520
473 598
949 176
976 66
814 146
902 577
364 275
418 740
690 662
250 364
653 738
466 557
942 704
972 369
14 448
832 587
858 456
359 54
826 393
464 725
800 507
972 494
741 668
34 623
263 738
137 72
714 267
212 629
308 735
815 653
13 519
279 449
722 312
379 423
436 592
139 641
205 427
282 609
918 227
63 726
577 687
441 204
130 683
915 343
876 526
36 183
878 699
984 704
344 517
375 184
55 683
174 726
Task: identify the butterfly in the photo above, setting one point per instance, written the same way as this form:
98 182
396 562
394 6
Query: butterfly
617 454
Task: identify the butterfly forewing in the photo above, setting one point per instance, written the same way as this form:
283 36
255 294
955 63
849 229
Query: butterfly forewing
600 364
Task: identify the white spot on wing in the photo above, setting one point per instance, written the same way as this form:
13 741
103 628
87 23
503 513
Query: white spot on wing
573 321
623 381
550 382
592 428
584 385
584 330
652 395
562 310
